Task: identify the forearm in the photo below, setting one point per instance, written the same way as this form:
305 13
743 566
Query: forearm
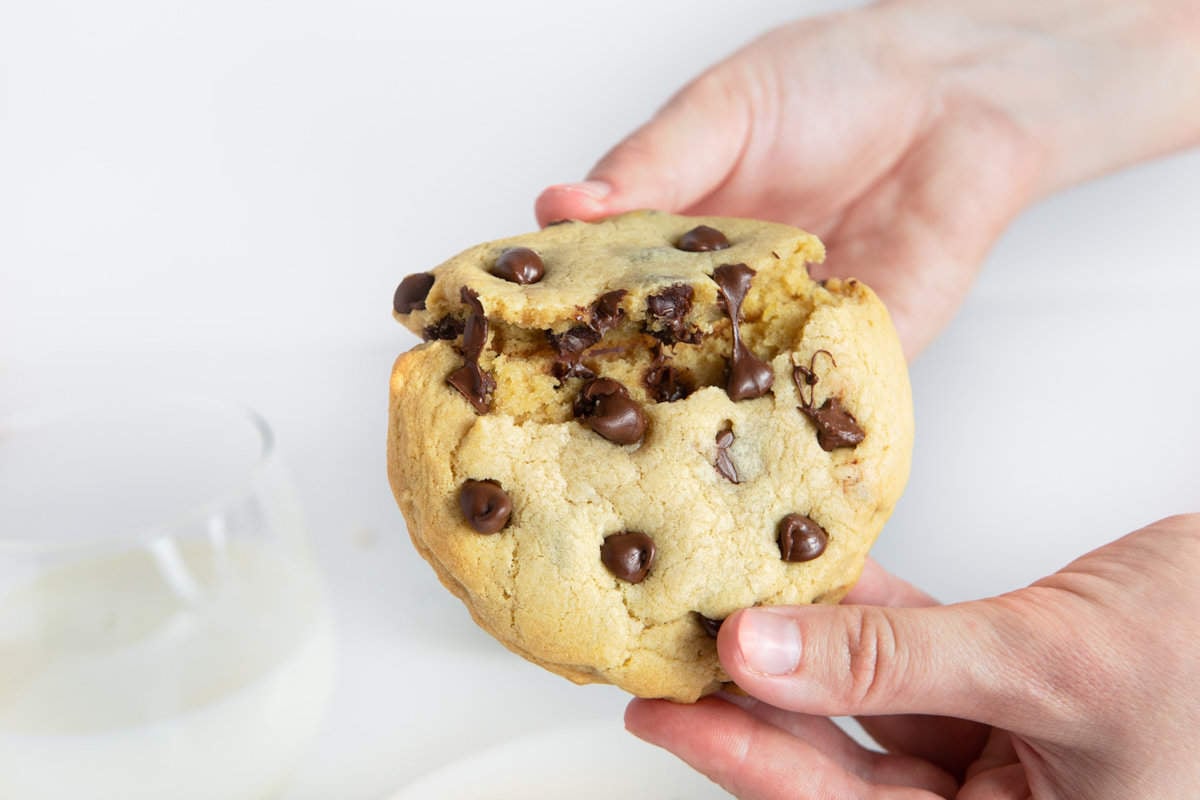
1093 85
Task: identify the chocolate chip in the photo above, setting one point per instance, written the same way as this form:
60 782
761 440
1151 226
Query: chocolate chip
749 376
605 406
671 304
568 346
519 265
486 506
804 376
669 308
570 369
724 463
725 437
628 555
572 342
711 626
411 293
800 538
677 334
664 383
836 427
607 311
475 329
702 239
472 382
445 328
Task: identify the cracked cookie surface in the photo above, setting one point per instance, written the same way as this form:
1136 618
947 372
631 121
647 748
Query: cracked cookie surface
618 433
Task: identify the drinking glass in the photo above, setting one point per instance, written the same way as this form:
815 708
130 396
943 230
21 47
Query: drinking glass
163 628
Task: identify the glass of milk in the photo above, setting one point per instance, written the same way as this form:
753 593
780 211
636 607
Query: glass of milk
163 628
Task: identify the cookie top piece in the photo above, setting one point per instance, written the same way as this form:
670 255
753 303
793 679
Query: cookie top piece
552 277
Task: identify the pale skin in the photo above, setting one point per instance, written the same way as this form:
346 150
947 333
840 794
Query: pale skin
908 135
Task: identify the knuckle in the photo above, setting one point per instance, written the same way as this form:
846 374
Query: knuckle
1187 522
871 652
713 85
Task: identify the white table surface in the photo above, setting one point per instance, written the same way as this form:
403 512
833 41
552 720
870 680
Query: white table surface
1059 410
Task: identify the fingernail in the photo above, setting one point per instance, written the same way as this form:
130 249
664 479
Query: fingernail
596 190
769 642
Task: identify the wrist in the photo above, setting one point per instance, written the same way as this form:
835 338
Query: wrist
1090 85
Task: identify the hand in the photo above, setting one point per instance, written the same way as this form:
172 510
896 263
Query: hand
1083 685
907 135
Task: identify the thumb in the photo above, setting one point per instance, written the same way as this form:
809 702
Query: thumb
673 161
975 660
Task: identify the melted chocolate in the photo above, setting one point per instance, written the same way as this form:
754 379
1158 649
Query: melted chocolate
724 463
628 555
800 538
836 427
669 308
475 329
486 506
604 405
749 375
411 293
570 369
568 346
471 381
519 265
572 342
607 312
444 328
665 383
702 239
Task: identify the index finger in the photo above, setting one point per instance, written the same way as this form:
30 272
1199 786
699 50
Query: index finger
878 587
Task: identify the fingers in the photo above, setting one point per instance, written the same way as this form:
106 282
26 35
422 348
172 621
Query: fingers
878 587
952 744
821 732
996 753
949 743
1010 782
686 151
971 660
755 760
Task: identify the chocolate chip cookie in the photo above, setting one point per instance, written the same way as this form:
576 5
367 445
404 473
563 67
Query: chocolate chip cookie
618 433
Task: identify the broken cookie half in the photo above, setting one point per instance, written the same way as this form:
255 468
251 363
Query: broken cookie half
618 433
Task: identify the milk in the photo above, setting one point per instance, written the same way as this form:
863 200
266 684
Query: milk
166 671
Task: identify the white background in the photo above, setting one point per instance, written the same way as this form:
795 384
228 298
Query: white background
222 196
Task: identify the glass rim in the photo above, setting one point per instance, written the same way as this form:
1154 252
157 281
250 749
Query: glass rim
30 419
